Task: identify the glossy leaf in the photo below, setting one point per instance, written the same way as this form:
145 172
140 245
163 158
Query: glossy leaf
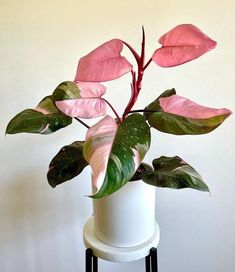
115 152
173 172
144 167
97 147
182 106
155 105
45 119
103 64
178 115
182 44
67 164
82 99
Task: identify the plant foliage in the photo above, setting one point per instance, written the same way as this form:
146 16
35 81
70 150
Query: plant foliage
115 146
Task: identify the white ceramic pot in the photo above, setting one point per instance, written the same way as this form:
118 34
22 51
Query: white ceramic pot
127 217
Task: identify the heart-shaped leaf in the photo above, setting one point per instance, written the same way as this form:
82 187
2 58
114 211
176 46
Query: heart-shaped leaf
82 99
173 172
103 64
182 44
67 164
45 119
179 115
115 152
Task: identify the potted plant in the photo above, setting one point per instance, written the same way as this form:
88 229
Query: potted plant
115 146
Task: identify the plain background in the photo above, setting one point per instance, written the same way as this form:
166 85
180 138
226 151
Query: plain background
40 45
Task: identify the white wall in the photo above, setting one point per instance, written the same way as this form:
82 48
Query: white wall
40 44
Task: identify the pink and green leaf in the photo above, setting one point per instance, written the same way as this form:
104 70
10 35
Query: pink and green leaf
182 44
182 106
173 172
97 147
81 100
45 119
178 115
115 152
104 63
155 105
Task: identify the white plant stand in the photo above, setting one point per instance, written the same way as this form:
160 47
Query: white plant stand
97 249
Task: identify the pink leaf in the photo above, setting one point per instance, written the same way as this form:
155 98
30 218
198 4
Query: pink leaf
182 44
103 64
182 106
89 104
98 144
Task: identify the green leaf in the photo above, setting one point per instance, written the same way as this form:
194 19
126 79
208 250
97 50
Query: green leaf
45 119
144 167
173 172
130 144
179 125
47 106
66 90
67 164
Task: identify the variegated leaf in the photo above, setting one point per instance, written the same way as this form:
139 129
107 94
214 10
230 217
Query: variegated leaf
45 119
178 115
97 147
81 100
155 105
115 152
173 172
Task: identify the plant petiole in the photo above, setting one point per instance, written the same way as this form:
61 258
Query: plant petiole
112 108
83 123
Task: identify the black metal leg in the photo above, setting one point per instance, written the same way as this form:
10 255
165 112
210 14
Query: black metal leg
95 264
147 263
88 260
153 255
151 264
91 261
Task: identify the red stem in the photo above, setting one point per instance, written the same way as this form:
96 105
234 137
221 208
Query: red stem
142 48
135 54
147 64
136 84
112 108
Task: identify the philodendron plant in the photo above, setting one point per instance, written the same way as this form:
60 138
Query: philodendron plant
115 146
